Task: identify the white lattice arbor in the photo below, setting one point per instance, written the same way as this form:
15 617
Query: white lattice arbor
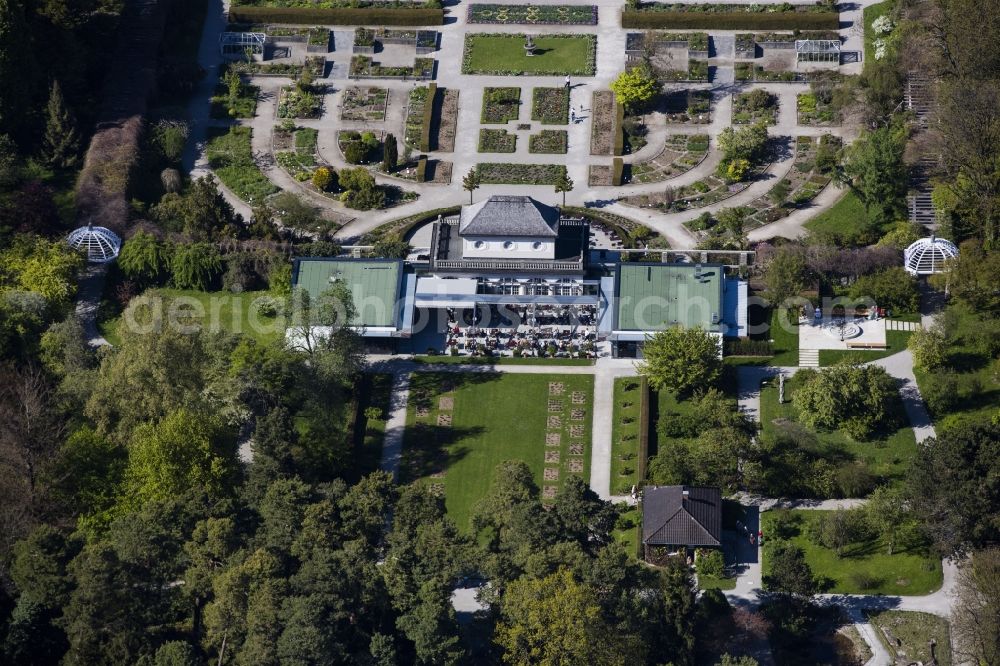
817 52
241 43
927 256
101 245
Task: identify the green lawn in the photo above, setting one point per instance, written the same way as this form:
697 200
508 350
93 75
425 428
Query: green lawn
706 582
374 390
504 55
915 630
886 459
910 570
625 434
784 332
844 223
214 311
627 531
975 381
895 343
494 417
871 13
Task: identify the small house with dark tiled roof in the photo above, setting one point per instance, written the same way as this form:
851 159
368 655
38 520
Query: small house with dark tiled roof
678 518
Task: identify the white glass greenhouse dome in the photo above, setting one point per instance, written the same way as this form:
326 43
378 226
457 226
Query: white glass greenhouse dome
101 245
927 255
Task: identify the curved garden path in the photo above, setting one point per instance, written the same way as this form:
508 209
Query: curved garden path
610 60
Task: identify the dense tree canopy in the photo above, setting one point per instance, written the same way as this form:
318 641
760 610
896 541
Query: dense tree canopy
681 359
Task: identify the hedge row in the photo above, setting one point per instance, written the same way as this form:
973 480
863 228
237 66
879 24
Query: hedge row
425 129
619 147
422 170
617 169
337 16
659 20
643 456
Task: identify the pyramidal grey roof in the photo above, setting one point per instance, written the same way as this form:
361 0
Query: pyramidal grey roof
509 216
669 518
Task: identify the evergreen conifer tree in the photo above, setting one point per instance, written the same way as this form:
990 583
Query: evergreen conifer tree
62 142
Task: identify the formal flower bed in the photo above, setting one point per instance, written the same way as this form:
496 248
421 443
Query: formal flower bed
548 141
297 101
680 153
689 106
696 41
755 106
812 110
500 173
504 55
697 70
603 125
745 43
533 14
364 104
363 67
500 105
550 105
316 65
414 125
497 141
295 151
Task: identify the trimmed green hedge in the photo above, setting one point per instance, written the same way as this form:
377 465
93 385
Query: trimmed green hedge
422 170
337 16
425 130
619 147
662 20
617 168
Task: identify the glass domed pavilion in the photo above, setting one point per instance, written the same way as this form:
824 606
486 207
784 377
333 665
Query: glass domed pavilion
927 256
101 245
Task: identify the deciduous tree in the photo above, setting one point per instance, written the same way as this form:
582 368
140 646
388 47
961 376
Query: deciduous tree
681 359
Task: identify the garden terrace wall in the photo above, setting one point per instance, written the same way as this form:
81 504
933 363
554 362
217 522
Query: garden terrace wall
338 15
729 20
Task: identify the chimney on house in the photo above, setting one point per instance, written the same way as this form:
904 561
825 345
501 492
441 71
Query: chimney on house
684 495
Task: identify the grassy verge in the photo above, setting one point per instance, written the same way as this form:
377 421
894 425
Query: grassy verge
625 434
871 13
375 391
627 531
914 630
460 426
864 568
712 583
886 459
784 332
895 342
844 223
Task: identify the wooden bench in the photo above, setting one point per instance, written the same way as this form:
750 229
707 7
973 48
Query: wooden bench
866 345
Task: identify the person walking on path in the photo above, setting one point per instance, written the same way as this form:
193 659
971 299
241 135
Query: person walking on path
567 81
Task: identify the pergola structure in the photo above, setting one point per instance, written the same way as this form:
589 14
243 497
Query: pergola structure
927 256
240 43
817 51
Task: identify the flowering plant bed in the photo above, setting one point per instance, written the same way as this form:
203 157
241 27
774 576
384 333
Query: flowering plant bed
550 105
689 106
413 128
500 105
812 110
504 55
497 141
603 127
231 158
300 102
295 151
533 14
364 104
548 141
599 174
811 171
755 106
697 70
316 65
500 173
363 67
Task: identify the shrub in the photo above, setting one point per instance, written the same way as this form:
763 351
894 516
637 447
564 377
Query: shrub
266 306
711 563
425 128
356 152
865 580
617 169
325 179
619 131
337 15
